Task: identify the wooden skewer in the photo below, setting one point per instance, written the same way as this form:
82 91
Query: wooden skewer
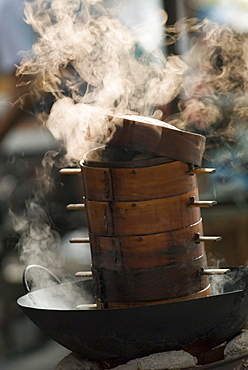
201 171
214 271
79 240
86 306
83 274
201 203
70 171
199 239
76 207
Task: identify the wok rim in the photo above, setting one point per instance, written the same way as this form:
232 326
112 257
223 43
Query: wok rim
138 307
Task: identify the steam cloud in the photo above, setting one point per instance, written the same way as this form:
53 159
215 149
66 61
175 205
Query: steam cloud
39 243
213 96
94 65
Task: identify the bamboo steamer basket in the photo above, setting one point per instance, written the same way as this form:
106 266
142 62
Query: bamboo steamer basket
127 252
142 228
151 285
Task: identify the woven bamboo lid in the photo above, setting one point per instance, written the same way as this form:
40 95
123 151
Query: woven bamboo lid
145 134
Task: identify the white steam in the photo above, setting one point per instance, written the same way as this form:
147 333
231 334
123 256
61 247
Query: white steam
93 65
38 243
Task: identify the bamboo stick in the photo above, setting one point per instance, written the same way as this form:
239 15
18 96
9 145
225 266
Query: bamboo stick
202 203
201 171
214 271
75 207
199 239
79 240
86 306
70 171
83 274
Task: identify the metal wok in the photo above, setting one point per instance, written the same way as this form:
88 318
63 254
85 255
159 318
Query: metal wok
121 334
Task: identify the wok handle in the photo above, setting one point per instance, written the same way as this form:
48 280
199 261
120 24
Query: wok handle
29 267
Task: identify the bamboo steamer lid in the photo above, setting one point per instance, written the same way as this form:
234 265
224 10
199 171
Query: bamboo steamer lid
147 134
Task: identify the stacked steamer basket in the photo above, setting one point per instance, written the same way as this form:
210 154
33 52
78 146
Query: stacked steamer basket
144 216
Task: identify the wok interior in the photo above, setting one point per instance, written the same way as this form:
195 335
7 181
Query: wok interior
67 296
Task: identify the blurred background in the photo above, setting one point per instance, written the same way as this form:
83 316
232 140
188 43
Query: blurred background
25 143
